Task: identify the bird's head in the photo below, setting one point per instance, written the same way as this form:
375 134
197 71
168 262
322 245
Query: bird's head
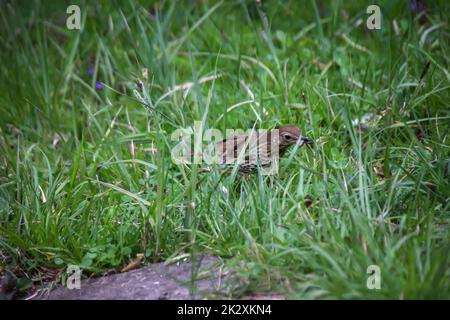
291 135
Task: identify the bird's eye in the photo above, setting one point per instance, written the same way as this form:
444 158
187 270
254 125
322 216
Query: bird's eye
287 137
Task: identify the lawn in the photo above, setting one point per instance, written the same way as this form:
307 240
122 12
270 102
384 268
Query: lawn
86 172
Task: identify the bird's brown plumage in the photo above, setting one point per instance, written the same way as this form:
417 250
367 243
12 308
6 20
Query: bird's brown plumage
258 148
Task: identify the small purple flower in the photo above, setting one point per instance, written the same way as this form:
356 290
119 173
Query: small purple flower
98 85
416 6
91 70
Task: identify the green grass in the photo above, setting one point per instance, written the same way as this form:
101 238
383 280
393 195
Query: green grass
80 183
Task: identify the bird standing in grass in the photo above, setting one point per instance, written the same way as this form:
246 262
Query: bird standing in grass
255 150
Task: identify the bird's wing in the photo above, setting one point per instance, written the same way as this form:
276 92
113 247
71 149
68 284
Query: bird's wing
246 148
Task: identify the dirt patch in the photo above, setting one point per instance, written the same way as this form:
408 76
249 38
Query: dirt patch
154 282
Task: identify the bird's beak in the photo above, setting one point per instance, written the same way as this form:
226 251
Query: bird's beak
308 142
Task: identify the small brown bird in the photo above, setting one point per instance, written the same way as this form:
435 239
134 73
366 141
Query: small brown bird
259 149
